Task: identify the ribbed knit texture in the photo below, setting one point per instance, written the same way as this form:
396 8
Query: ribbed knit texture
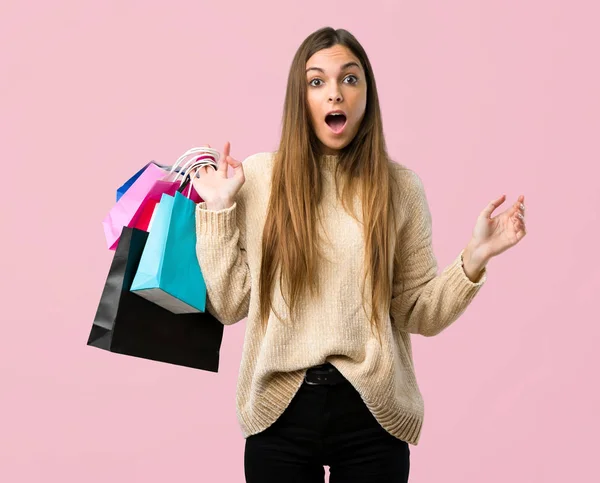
331 327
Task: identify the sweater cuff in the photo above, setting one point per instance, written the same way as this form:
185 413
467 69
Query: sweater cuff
460 283
482 275
215 224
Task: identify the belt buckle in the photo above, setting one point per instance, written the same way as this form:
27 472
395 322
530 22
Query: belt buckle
308 381
322 379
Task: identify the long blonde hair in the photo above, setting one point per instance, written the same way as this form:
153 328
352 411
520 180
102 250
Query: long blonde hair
290 240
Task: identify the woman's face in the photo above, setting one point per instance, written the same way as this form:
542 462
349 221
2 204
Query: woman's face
335 81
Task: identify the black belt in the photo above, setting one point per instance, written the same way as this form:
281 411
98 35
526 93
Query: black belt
324 374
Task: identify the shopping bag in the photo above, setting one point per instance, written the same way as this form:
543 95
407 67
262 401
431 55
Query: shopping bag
151 183
169 273
125 186
131 325
149 186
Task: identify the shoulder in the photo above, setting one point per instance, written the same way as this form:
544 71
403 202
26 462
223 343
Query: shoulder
410 192
409 185
258 162
257 169
257 174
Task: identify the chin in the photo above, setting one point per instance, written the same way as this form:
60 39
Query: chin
335 146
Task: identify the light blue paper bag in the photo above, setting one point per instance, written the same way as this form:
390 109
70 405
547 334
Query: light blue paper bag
169 274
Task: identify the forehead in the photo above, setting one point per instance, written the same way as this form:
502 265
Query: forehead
332 59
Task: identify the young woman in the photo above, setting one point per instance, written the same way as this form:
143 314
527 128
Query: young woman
326 246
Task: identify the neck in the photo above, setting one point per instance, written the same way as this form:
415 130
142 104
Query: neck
329 160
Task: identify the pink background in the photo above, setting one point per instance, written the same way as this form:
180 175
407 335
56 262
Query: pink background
479 97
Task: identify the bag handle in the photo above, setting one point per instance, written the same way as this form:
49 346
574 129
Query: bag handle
200 163
204 157
205 152
187 179
188 153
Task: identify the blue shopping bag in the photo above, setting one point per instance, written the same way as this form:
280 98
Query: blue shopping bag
169 273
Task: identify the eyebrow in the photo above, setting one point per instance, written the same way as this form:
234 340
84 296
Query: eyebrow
344 67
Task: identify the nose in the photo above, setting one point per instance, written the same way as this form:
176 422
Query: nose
337 96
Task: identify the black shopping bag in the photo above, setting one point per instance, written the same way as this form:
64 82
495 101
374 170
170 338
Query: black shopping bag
128 324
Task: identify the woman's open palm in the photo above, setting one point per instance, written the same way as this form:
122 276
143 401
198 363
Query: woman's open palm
497 234
214 186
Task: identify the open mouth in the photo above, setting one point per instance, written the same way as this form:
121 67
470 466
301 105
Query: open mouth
336 122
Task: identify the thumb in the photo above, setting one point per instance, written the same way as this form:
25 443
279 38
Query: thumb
234 163
238 170
492 205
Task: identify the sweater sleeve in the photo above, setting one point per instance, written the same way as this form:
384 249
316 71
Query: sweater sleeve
424 302
221 252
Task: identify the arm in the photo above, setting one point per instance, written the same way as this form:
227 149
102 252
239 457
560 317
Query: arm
424 302
222 257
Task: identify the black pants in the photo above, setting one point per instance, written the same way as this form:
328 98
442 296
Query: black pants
331 426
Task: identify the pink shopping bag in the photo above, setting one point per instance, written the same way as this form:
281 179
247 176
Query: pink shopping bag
134 208
151 184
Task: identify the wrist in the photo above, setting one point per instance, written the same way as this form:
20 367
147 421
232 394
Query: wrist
219 205
475 258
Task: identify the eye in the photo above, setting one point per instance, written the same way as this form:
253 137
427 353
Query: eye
347 77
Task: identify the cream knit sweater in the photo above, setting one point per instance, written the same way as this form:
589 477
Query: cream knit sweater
334 327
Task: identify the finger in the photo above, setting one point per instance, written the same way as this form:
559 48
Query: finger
522 203
201 170
519 222
517 215
234 163
519 204
521 232
489 209
223 162
517 207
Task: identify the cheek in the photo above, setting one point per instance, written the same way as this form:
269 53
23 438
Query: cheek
312 106
359 107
